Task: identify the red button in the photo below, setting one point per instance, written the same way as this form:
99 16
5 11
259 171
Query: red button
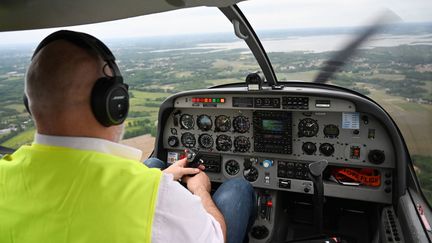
269 204
357 152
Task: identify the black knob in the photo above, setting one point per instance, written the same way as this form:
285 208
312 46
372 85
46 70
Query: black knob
247 164
376 156
173 141
326 149
309 148
259 232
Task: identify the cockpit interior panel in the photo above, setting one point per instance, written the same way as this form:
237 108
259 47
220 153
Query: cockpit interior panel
270 138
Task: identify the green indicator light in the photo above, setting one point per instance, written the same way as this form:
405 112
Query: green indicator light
214 100
218 100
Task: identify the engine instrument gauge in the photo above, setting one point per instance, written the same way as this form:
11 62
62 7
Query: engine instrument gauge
223 142
241 124
308 127
187 121
222 123
188 140
241 144
204 122
331 131
309 148
205 141
232 167
326 149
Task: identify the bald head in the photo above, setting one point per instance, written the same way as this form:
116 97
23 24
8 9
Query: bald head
59 84
60 78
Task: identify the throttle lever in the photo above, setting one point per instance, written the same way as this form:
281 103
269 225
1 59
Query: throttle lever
316 170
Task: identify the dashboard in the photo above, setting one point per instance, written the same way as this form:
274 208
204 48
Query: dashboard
269 138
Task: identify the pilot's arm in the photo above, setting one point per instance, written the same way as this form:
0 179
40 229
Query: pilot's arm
181 216
200 186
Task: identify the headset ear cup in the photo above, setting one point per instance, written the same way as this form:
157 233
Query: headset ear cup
26 103
110 101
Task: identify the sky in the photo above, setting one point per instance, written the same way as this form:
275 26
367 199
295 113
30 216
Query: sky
262 14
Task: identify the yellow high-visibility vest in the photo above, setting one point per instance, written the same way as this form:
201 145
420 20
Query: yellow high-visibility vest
52 194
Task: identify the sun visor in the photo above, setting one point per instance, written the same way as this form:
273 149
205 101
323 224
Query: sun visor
38 14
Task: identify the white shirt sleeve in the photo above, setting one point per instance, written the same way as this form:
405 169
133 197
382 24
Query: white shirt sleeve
181 217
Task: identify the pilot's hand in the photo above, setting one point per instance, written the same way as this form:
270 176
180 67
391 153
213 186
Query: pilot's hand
178 169
197 183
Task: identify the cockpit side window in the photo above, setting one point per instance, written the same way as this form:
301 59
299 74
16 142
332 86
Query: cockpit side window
393 67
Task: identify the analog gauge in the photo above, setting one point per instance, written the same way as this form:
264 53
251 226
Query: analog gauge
222 123
188 140
173 131
307 127
205 141
251 174
241 124
331 131
232 167
326 149
187 121
204 123
223 142
309 148
241 144
173 141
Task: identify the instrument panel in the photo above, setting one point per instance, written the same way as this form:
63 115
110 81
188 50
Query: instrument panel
270 140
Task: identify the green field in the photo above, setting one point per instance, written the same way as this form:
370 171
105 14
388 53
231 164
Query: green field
25 137
302 76
18 107
424 171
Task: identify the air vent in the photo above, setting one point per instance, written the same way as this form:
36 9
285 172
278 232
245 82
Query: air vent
392 231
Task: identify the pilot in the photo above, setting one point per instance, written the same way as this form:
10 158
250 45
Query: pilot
76 183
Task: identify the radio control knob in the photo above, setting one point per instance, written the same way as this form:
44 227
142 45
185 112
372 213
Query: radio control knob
267 163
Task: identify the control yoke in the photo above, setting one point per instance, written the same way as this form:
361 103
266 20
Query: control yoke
193 158
316 170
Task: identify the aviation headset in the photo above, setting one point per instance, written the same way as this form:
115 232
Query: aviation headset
109 96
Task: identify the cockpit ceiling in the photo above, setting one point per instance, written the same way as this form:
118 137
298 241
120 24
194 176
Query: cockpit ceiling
37 14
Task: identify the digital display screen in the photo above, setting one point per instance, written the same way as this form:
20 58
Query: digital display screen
273 125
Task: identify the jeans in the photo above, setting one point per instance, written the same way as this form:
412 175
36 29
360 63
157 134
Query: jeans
236 201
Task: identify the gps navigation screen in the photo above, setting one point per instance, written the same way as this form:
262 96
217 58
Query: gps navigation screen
273 125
